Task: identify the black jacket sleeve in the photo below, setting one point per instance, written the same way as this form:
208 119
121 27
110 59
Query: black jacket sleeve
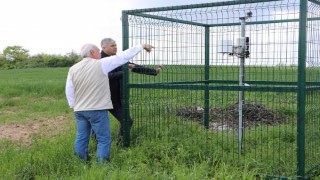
144 70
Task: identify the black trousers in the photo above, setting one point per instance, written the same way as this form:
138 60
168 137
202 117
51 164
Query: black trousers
118 113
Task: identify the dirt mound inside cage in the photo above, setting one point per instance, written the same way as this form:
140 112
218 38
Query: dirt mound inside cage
228 118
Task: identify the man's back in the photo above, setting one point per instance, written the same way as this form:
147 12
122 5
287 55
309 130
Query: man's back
91 86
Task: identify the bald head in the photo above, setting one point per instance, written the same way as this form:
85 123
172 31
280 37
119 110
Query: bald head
90 50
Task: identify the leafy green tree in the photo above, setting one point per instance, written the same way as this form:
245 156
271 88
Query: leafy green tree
15 53
2 62
72 58
56 61
18 57
38 60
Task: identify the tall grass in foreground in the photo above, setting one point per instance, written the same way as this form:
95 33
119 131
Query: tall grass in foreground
34 94
53 158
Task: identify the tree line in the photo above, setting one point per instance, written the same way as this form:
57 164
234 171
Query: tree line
16 57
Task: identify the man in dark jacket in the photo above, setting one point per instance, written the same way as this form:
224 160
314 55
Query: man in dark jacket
109 48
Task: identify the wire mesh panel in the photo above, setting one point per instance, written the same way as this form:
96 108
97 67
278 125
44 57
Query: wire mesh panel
240 80
312 109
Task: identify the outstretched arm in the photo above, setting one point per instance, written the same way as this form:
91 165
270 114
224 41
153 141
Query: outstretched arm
145 70
112 62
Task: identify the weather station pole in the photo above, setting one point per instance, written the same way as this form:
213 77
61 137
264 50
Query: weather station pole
241 50
242 54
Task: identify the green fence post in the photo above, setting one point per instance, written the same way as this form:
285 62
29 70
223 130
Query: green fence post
301 89
125 89
206 76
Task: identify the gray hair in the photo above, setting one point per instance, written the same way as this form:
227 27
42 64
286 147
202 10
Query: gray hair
85 50
106 41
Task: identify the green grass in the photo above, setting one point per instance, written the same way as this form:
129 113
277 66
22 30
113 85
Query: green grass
163 146
32 93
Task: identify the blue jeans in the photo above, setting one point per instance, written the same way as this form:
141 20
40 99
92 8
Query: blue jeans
99 121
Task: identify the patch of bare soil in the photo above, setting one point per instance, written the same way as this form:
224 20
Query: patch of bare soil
23 132
228 118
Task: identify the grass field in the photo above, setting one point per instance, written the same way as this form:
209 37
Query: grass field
32 101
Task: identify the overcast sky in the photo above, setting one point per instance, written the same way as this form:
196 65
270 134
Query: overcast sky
62 26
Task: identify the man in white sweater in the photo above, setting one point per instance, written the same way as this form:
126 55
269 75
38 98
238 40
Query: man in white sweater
88 93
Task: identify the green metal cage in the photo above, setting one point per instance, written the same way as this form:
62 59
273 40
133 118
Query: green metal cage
240 79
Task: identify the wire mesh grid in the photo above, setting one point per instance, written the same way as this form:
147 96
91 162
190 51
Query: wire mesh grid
196 94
